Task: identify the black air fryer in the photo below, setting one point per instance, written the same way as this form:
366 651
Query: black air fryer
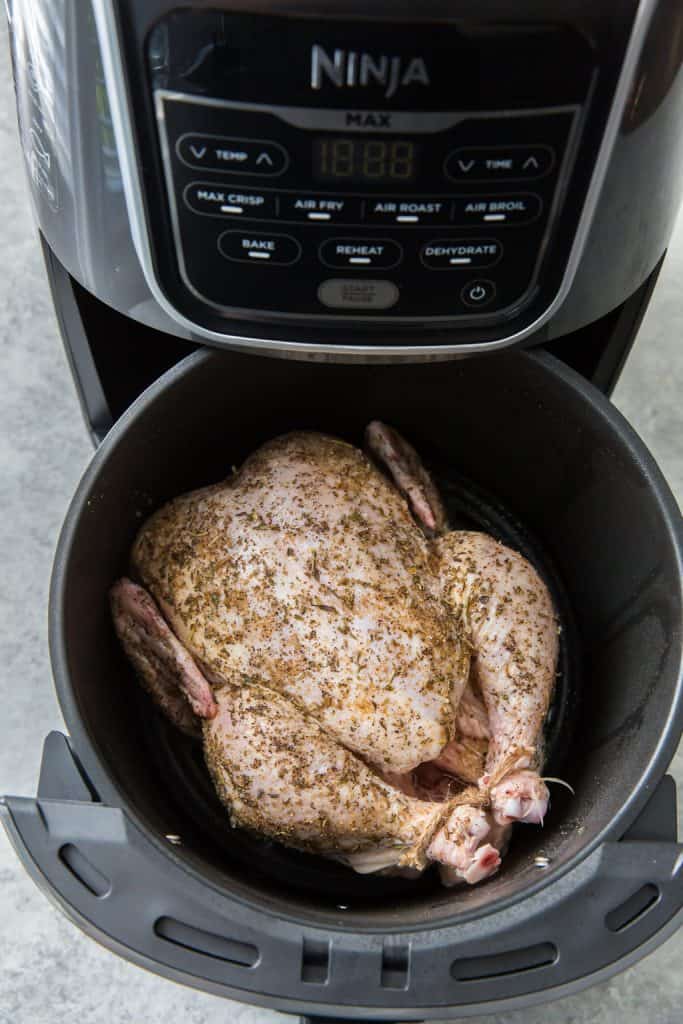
449 216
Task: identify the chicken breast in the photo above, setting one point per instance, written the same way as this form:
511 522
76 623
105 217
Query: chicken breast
305 571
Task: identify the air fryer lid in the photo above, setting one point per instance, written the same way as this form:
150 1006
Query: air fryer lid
556 471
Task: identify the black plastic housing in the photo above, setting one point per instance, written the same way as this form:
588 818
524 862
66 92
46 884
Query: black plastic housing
561 461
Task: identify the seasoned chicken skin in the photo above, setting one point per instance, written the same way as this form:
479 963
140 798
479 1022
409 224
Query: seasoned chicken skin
305 572
353 669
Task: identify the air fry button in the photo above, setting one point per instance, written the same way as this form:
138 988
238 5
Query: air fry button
254 247
478 293
460 253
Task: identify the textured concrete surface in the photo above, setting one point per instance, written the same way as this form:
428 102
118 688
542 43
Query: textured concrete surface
49 972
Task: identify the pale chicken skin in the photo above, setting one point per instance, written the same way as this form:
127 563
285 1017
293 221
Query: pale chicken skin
354 669
306 572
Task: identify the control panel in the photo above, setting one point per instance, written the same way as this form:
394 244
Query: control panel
429 214
337 171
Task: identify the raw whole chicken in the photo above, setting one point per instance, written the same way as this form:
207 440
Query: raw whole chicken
368 685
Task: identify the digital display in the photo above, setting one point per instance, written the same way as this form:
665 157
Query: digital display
353 159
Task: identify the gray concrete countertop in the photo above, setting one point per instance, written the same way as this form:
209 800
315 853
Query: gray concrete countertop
49 972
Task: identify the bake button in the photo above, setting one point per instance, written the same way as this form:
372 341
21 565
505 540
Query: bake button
323 209
496 163
209 198
360 252
407 211
511 209
478 293
357 293
254 247
460 253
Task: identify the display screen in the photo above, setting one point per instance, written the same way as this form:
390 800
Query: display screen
356 159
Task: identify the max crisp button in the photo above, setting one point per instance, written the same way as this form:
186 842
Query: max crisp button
357 293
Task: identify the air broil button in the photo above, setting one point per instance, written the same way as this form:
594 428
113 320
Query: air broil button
501 210
254 247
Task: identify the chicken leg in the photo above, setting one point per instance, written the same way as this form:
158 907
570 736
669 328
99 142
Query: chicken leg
507 612
279 774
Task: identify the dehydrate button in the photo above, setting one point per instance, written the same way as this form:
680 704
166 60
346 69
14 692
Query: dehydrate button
463 253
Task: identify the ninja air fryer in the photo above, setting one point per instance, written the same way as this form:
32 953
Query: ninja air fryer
276 214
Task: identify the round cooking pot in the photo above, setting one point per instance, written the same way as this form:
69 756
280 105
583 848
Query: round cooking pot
128 834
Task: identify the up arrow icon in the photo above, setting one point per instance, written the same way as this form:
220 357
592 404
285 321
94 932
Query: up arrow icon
264 158
531 163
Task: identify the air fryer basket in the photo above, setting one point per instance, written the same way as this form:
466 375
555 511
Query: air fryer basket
524 448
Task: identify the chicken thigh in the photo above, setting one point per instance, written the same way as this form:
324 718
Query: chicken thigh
345 661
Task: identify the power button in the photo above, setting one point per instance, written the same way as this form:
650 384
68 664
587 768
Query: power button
478 293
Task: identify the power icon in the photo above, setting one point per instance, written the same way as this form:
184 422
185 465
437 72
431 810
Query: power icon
478 293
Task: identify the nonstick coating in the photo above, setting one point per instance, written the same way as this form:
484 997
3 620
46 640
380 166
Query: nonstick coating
522 447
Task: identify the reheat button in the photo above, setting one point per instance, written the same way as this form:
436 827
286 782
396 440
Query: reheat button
451 253
360 253
256 247
504 209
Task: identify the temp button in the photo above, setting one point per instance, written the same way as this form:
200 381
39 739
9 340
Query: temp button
454 253
360 252
255 247
233 156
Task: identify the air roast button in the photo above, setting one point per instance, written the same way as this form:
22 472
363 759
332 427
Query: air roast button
259 248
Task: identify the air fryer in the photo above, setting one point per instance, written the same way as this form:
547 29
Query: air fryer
261 216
